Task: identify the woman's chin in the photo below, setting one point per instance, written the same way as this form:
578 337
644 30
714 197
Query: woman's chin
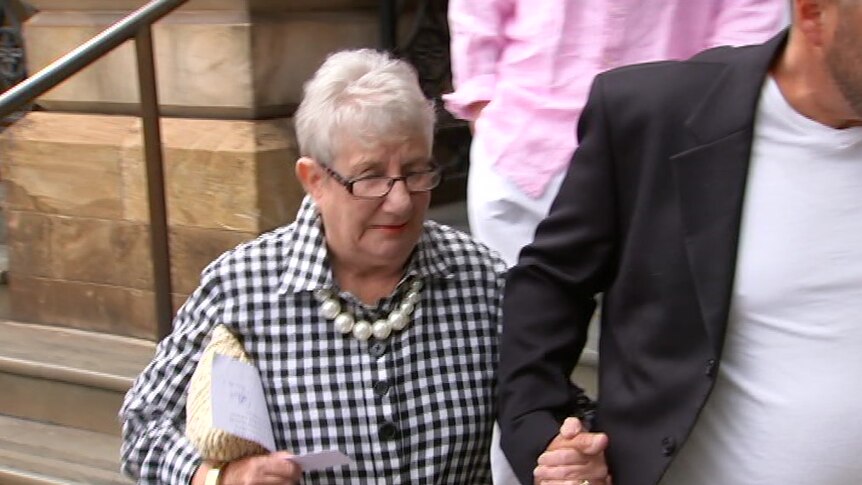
391 251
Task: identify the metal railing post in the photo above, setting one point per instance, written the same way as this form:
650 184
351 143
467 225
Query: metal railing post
150 120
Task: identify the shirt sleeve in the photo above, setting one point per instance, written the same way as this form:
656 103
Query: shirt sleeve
154 448
742 22
476 31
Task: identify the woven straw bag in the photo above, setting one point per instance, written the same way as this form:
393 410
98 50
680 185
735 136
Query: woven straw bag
214 444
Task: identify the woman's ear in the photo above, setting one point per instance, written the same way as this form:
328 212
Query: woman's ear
309 175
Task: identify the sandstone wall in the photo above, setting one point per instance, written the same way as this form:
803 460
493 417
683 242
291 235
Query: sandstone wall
229 76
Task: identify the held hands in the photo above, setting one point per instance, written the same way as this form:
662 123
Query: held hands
272 469
575 456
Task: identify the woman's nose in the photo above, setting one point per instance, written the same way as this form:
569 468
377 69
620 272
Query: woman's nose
398 196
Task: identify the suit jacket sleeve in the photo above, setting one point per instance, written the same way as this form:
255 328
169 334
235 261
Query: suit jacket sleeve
550 297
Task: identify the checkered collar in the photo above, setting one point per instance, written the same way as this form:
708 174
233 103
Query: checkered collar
306 260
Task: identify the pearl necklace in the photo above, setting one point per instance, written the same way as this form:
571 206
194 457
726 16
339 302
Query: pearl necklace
346 323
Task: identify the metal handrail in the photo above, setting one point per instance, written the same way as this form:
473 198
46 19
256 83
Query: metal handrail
137 26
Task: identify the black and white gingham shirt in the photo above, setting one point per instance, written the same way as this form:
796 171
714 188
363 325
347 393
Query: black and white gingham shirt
416 408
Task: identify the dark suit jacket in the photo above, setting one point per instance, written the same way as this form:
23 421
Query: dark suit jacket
649 215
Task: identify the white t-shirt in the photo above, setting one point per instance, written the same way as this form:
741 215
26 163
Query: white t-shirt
787 404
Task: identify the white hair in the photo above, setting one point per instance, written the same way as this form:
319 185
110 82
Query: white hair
361 96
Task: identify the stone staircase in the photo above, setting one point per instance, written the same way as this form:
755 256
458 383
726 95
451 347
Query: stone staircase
60 391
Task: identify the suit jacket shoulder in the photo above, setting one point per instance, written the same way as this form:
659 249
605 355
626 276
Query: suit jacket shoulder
713 94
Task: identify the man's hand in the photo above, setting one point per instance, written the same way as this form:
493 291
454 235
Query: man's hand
475 110
272 469
575 456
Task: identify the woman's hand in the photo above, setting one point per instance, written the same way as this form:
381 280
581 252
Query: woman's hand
272 469
575 456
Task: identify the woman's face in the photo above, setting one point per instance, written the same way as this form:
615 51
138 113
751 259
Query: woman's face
374 233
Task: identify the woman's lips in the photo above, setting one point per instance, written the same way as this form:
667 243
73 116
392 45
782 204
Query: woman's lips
391 228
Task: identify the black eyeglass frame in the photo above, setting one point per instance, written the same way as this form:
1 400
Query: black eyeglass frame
348 183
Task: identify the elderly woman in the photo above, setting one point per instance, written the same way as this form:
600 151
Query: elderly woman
374 331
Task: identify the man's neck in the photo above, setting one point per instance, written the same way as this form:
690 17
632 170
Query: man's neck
804 81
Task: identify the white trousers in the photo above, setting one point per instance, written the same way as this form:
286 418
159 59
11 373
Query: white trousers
501 470
501 216
505 219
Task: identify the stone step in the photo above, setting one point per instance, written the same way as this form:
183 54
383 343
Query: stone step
67 377
33 453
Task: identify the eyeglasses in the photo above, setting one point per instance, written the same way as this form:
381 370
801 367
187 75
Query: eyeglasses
375 187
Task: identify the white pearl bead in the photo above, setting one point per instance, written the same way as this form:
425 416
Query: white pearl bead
406 308
330 309
362 330
397 320
382 329
344 322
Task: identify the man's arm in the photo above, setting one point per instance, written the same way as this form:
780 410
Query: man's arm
477 40
549 298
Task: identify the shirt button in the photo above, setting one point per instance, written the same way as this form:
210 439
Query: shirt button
381 388
388 431
377 349
711 368
668 446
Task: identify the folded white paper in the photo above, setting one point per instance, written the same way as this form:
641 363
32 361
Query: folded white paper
321 460
239 408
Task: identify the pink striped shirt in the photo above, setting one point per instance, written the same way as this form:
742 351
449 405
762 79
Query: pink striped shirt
534 60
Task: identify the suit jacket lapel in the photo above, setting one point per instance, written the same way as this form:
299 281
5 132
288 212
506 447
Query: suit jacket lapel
711 176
